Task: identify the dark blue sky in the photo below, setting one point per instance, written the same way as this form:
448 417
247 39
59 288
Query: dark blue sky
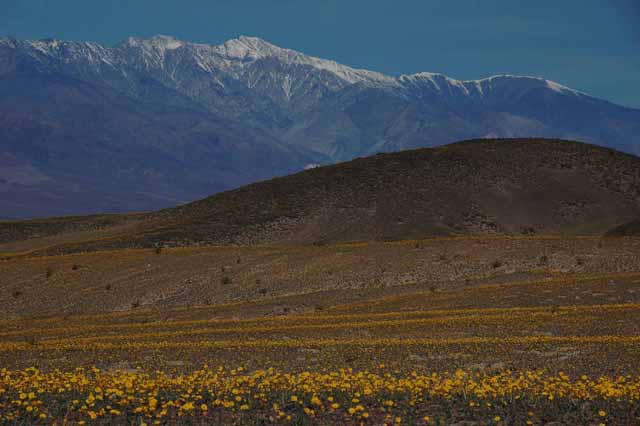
590 45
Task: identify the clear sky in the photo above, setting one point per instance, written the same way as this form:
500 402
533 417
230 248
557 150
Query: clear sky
590 45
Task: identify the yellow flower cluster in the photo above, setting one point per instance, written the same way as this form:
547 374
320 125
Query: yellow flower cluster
344 396
310 343
317 322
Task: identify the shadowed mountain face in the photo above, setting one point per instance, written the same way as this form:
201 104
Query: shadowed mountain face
477 187
70 146
152 123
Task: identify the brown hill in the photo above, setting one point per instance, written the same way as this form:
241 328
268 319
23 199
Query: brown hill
631 229
508 187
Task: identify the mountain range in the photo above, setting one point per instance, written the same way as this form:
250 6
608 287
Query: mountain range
152 123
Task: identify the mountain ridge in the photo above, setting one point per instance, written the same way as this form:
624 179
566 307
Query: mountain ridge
153 122
254 48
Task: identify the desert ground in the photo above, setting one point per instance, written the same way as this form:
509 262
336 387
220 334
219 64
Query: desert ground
527 319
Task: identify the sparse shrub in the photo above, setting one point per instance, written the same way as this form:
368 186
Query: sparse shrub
579 261
262 291
107 287
135 304
258 281
75 267
238 260
226 280
49 272
442 257
158 250
544 260
496 264
432 289
16 294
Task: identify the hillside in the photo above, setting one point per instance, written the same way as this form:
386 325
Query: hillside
631 229
154 123
478 187
486 302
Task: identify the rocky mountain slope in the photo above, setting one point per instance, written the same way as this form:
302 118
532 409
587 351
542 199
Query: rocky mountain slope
478 187
151 123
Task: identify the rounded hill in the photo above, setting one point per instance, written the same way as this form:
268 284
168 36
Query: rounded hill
476 187
631 229
514 187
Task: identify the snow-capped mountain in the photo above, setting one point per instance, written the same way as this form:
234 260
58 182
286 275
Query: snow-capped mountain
152 122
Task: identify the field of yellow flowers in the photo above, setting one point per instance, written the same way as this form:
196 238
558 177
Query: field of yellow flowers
221 396
561 350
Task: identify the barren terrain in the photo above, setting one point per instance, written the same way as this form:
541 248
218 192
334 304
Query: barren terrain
141 319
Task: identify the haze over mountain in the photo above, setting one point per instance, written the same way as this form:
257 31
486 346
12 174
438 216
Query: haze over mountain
156 122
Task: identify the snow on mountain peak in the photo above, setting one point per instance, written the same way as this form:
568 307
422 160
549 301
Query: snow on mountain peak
158 42
245 47
9 42
249 49
443 83
46 45
527 81
439 81
236 56
166 42
562 89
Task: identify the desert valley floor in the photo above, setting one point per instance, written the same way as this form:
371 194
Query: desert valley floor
564 307
491 282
